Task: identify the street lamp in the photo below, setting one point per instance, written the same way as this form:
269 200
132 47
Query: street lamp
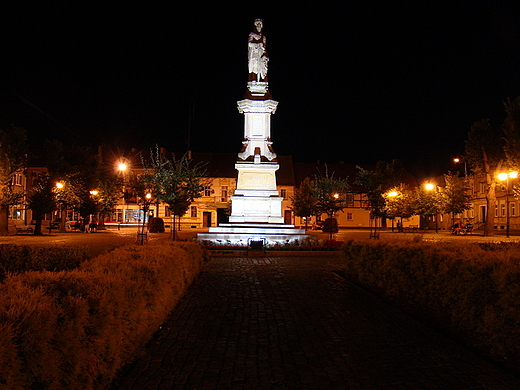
392 195
431 187
457 160
122 167
505 177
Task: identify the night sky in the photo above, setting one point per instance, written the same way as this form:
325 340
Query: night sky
355 82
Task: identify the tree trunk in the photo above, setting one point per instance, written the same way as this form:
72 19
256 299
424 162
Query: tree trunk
38 225
101 221
63 215
491 202
174 231
4 221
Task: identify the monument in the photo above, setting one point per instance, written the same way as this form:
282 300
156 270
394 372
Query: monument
256 207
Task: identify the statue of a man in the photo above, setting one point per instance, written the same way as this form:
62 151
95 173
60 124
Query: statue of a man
257 54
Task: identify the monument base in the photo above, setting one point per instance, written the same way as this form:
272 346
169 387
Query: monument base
246 233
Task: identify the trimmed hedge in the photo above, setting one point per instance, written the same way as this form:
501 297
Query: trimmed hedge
471 291
76 329
22 258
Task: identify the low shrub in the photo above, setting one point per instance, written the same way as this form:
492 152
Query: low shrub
22 258
75 329
468 290
156 225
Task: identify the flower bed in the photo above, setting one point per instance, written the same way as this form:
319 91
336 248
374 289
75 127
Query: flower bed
329 245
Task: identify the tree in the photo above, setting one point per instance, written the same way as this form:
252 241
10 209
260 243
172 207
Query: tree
400 203
455 194
485 155
378 182
13 158
108 193
428 201
41 201
175 182
330 194
511 128
76 168
304 203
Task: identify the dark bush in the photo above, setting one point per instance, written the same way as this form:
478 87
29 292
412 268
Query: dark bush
330 225
156 225
22 258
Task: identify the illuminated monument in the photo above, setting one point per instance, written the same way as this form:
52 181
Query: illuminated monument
256 207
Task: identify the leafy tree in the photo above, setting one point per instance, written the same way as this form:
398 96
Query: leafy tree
456 195
13 158
378 182
108 189
41 201
77 169
330 194
304 203
428 202
511 128
485 155
400 203
175 182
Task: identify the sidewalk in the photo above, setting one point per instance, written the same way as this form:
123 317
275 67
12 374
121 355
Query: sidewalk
295 323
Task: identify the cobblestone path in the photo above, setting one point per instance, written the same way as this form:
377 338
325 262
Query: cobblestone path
294 323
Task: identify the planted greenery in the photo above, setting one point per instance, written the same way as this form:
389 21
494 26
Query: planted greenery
75 329
472 290
22 258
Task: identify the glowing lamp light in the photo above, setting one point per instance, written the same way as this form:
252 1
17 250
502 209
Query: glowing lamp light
59 185
93 192
392 194
429 186
148 196
122 167
504 176
456 160
336 196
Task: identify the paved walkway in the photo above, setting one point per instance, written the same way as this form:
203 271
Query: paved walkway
295 323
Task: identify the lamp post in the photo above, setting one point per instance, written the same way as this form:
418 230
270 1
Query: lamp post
122 168
393 195
431 187
457 160
505 177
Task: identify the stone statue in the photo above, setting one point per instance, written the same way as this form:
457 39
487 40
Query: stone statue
257 54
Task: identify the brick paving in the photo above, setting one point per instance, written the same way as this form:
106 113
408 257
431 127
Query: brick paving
295 323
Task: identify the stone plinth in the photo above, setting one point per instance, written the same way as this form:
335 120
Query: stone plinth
256 197
243 234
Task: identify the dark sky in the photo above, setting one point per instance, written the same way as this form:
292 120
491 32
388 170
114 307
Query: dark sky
356 81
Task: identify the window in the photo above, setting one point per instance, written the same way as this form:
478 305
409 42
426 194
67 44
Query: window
496 211
207 190
224 194
503 210
513 209
350 200
349 217
194 211
283 193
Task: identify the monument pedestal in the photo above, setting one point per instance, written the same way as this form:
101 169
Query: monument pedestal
244 234
256 197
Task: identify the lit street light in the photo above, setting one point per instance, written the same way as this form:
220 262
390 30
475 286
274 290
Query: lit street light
505 177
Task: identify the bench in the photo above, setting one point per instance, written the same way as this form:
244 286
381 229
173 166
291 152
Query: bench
24 229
